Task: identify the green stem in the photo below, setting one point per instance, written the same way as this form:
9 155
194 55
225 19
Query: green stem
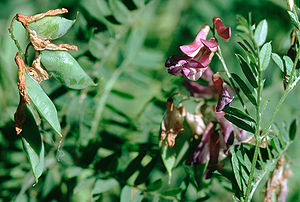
12 36
220 56
283 97
257 125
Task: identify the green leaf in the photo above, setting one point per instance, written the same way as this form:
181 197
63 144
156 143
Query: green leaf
43 104
288 64
104 185
265 55
155 185
172 191
244 88
238 113
235 168
247 71
138 197
66 69
33 145
135 42
126 194
278 61
261 31
145 172
240 123
168 158
293 129
51 27
119 10
294 19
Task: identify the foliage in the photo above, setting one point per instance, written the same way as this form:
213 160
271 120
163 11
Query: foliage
102 142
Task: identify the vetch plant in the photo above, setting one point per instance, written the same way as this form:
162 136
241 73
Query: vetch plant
221 118
50 60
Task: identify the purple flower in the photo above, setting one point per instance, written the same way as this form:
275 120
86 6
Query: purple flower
198 56
223 32
225 92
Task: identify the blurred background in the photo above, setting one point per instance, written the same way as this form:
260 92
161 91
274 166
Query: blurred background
123 45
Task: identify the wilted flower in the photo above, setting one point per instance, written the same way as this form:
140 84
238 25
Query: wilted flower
172 123
223 32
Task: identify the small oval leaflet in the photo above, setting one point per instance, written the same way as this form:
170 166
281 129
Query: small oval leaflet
51 27
66 69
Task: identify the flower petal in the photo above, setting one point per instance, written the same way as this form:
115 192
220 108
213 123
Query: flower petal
226 126
223 32
193 48
206 58
198 90
225 92
211 44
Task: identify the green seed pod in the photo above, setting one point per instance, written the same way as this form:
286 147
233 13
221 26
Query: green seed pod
51 27
66 69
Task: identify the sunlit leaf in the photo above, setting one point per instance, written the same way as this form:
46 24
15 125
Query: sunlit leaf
104 185
265 55
33 145
66 69
261 32
51 27
126 194
294 19
288 64
278 61
43 104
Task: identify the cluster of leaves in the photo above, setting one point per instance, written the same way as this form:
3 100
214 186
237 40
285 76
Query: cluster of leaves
110 132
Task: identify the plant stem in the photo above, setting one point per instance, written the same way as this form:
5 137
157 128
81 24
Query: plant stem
257 136
12 36
220 56
283 97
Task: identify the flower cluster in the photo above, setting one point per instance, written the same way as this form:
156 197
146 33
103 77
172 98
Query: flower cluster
198 54
218 135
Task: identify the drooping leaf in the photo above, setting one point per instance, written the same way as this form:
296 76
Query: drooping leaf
66 69
168 158
261 31
276 58
126 194
33 145
51 27
244 88
43 104
240 123
265 55
120 11
293 129
238 113
288 64
103 185
247 71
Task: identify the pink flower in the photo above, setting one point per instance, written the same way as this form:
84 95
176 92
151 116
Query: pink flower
223 32
198 56
192 49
